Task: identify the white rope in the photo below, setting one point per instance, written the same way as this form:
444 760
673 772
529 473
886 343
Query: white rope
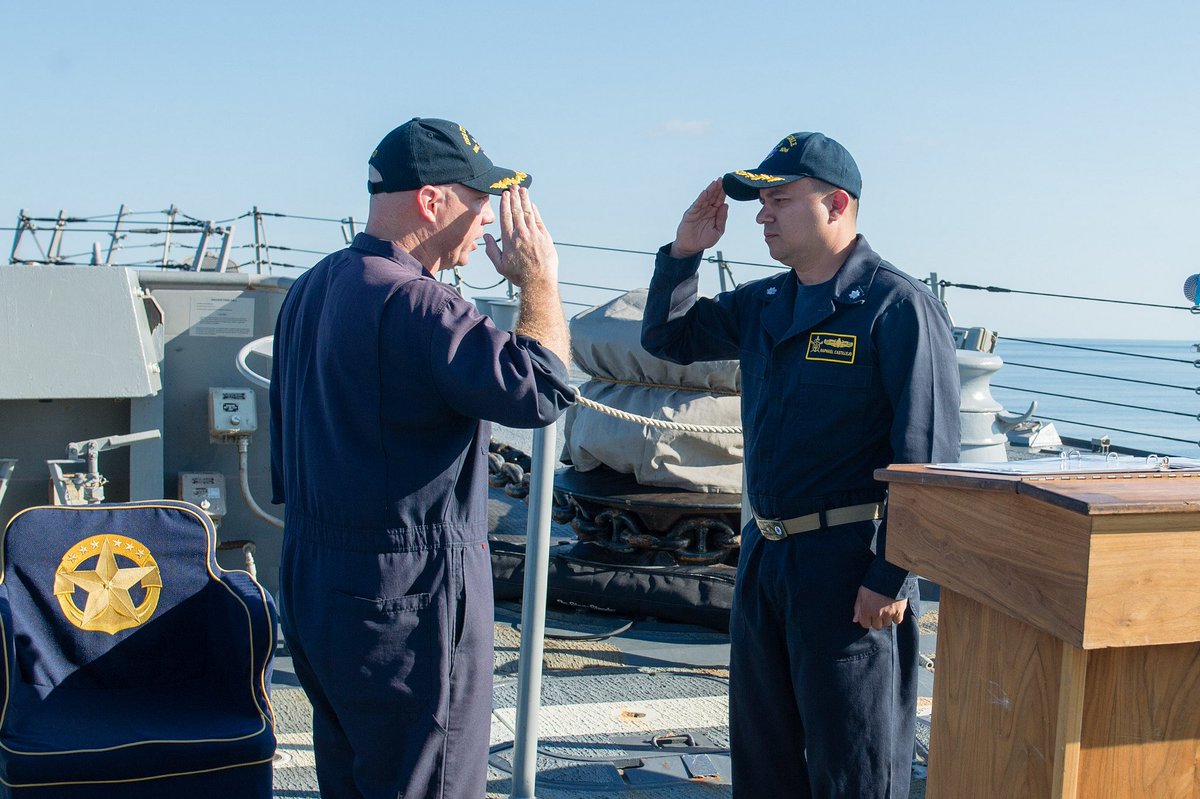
662 424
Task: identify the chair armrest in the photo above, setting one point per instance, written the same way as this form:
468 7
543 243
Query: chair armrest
264 627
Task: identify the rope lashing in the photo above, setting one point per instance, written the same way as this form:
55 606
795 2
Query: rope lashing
661 424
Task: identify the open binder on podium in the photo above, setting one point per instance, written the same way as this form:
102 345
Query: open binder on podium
1073 461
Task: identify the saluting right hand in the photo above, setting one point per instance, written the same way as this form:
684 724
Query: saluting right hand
703 223
526 251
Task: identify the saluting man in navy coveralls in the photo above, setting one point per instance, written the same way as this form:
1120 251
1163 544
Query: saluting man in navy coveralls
382 377
847 365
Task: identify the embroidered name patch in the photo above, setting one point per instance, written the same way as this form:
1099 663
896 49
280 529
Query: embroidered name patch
831 347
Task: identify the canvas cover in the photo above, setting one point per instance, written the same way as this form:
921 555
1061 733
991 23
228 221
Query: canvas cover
606 345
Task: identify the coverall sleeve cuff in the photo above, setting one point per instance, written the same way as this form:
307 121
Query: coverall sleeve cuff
552 364
682 267
885 578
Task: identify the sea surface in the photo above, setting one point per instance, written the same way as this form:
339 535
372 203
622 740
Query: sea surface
1157 414
1088 393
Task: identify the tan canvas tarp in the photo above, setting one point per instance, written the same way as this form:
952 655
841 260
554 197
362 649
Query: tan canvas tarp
606 344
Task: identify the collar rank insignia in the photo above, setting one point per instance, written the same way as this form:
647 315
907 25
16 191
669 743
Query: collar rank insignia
831 347
855 293
117 565
771 291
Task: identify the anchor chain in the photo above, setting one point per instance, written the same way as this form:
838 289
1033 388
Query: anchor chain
508 468
692 540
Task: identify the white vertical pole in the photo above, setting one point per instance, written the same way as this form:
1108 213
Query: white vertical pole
52 254
533 614
198 260
223 258
166 259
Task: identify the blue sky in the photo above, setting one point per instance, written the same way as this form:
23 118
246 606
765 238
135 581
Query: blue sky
1039 146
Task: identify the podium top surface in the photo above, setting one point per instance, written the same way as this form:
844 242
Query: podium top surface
1089 493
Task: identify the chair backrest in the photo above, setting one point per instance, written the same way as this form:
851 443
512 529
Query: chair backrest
126 596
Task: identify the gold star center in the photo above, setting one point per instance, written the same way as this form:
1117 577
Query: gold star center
109 607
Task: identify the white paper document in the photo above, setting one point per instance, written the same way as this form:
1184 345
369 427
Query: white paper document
1077 462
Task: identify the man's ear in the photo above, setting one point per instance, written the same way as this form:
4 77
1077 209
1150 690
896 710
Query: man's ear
429 201
839 202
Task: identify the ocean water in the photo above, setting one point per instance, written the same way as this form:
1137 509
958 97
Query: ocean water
1157 414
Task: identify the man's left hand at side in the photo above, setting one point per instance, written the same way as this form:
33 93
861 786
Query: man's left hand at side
874 611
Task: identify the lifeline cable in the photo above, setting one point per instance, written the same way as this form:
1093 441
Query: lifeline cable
1000 290
1196 389
1097 349
1094 426
1098 401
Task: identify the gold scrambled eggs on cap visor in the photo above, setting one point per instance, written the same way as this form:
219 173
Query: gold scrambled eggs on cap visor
744 184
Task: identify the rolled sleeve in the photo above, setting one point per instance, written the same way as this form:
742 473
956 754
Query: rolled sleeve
486 373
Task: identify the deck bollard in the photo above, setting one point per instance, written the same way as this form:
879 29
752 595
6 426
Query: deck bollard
985 423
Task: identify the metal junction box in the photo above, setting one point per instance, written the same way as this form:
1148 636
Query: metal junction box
231 412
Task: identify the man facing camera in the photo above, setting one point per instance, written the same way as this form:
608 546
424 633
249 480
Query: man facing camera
847 365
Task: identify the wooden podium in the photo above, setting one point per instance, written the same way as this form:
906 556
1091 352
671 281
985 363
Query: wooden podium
1068 651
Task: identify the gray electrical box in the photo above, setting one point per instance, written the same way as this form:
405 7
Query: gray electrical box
231 412
206 489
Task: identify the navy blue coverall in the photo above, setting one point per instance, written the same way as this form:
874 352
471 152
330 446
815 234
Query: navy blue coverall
851 380
380 381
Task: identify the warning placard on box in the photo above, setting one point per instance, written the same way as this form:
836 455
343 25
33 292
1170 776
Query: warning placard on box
215 315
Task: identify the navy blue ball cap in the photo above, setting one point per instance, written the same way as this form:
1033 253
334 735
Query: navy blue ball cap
434 152
799 155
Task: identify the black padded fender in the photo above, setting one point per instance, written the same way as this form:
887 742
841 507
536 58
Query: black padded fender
582 575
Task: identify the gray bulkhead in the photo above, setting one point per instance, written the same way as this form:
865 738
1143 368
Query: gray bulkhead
91 352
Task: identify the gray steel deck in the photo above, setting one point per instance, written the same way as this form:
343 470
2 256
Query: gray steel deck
603 702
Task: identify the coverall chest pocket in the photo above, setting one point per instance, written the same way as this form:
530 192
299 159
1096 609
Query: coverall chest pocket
845 375
753 367
754 382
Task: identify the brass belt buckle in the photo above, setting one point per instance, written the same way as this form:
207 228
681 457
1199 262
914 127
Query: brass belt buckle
771 529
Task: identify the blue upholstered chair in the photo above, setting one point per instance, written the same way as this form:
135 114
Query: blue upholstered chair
134 667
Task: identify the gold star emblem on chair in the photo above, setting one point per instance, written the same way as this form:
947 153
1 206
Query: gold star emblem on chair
110 606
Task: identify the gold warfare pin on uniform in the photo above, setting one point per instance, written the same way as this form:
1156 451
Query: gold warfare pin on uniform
109 607
831 347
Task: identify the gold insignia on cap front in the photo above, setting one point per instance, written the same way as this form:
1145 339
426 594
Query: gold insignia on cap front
758 176
516 180
110 607
469 140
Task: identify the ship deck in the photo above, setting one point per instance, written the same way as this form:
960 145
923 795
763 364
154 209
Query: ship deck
619 699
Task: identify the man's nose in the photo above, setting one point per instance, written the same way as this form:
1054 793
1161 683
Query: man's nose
488 216
762 216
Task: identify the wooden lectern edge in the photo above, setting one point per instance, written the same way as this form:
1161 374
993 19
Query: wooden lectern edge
1042 488
922 474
